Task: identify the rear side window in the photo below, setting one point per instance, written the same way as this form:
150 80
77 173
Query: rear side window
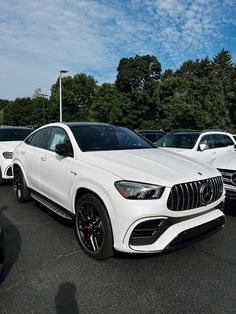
219 140
228 140
40 138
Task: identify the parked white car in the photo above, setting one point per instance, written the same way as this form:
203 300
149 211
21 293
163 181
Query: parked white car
226 164
122 191
203 146
10 137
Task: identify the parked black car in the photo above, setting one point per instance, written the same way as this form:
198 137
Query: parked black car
152 135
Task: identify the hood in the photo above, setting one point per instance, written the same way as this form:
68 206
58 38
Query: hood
154 166
184 151
226 161
9 146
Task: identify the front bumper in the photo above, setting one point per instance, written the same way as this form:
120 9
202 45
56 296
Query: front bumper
180 233
164 228
6 168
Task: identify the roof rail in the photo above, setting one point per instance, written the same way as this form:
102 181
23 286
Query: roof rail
184 130
214 130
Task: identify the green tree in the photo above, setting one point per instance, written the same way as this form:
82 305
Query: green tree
195 69
18 112
105 102
224 73
137 79
192 104
40 110
138 74
77 93
4 103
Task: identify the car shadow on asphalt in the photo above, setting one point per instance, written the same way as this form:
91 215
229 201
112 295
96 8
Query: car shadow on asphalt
230 208
66 299
12 244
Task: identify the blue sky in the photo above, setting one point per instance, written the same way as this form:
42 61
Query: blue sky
41 37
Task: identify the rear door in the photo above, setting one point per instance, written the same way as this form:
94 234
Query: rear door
222 143
31 152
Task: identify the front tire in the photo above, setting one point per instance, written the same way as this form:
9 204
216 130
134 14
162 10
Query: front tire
93 227
20 187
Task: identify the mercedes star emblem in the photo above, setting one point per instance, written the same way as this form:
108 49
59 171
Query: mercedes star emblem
206 193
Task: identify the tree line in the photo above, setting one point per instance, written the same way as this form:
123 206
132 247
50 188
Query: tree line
199 94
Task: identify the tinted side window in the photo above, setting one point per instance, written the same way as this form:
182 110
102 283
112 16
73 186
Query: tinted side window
30 139
228 140
40 138
59 136
208 141
150 136
219 140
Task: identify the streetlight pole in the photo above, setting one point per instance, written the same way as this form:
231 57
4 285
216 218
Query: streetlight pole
60 92
43 95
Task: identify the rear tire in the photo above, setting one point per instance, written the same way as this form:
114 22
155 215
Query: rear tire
93 227
20 187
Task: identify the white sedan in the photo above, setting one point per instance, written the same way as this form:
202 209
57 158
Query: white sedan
122 192
10 137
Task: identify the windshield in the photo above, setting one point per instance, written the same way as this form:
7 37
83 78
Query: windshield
179 140
107 137
14 134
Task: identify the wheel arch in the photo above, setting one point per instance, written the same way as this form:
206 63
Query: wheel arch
84 190
18 165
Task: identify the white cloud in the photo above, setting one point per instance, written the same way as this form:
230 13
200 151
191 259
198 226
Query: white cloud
170 7
40 37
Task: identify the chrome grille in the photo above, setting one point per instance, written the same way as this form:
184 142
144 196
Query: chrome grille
229 176
195 194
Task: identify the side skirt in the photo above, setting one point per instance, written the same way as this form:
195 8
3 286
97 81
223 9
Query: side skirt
59 210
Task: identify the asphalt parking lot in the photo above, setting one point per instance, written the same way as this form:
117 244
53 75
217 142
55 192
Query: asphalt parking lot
47 272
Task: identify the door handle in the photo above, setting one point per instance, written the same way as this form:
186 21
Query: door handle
43 158
22 152
213 153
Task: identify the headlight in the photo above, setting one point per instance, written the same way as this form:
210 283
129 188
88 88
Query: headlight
7 155
139 191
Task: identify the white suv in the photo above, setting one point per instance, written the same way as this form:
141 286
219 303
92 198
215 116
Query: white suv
203 146
122 191
10 137
226 164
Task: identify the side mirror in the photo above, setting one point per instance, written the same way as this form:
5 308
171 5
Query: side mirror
62 150
202 147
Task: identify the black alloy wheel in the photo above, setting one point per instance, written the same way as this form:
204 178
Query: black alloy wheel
93 228
19 185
